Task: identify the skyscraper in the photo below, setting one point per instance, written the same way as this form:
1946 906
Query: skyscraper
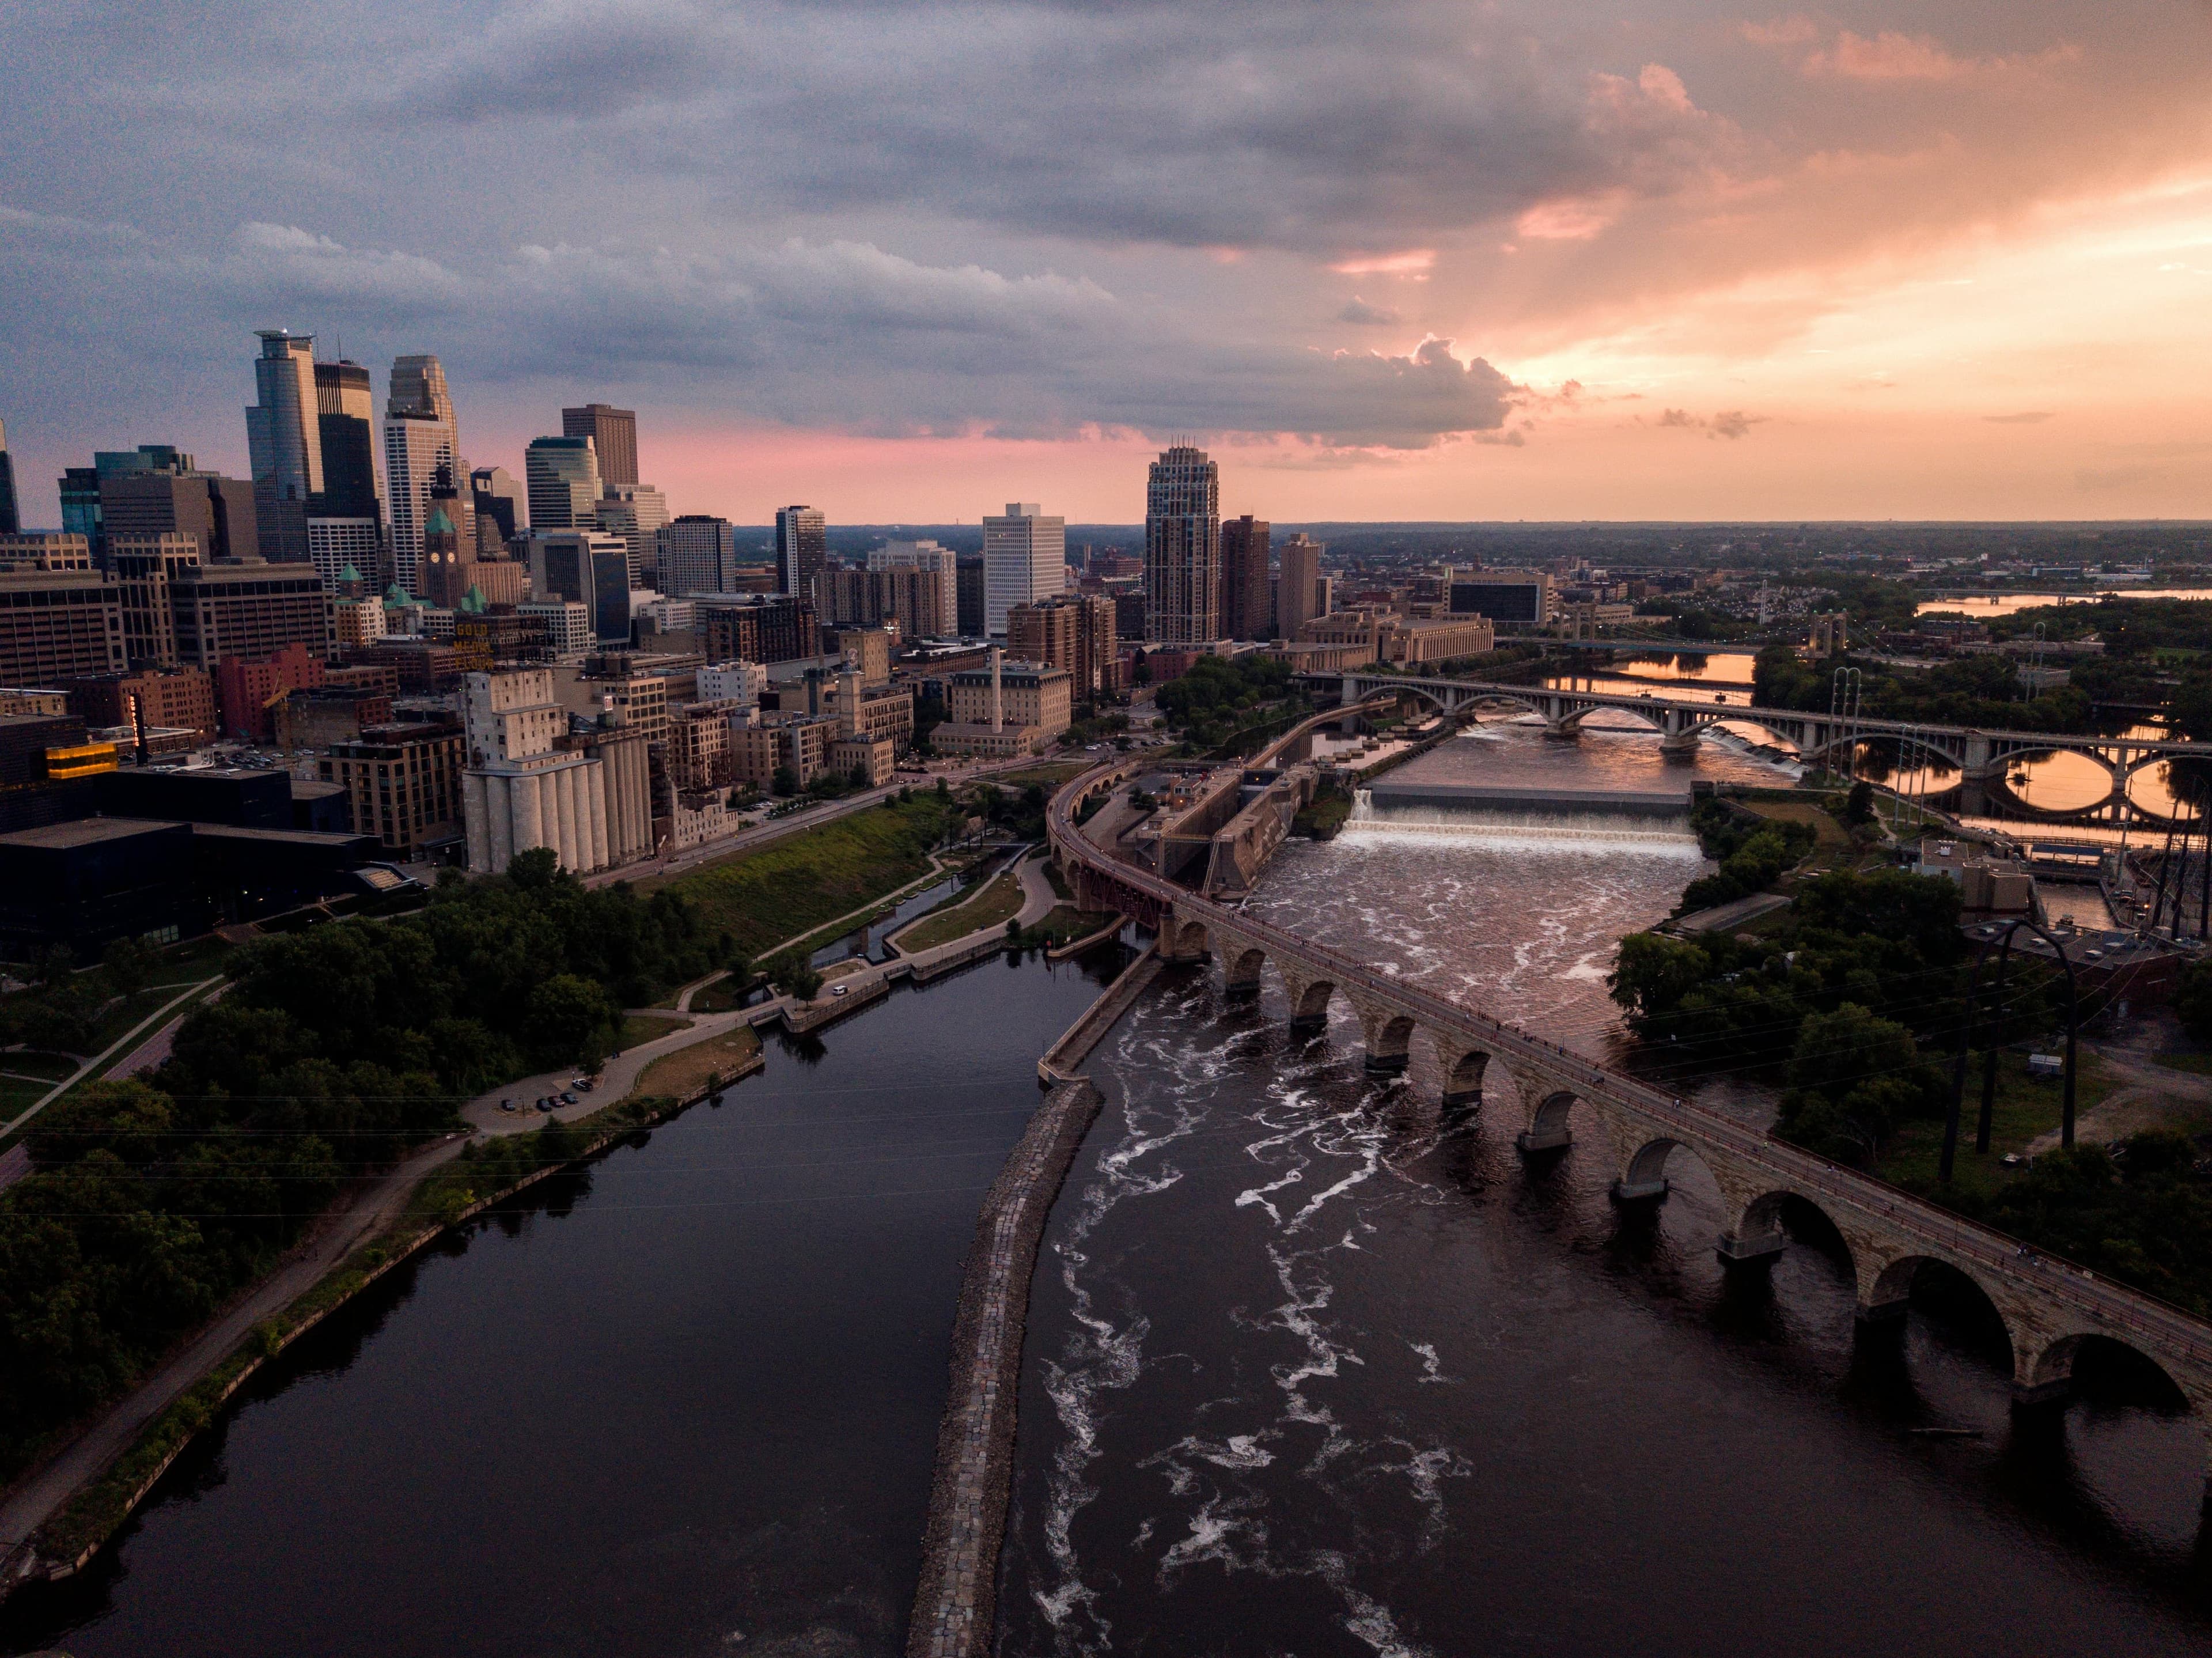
802 547
283 439
1296 589
1244 577
11 517
1182 548
613 433
1025 561
637 513
345 522
420 435
562 476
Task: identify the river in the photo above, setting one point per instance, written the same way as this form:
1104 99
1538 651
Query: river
681 1402
1316 1368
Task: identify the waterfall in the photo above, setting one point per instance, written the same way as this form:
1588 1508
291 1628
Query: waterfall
1552 824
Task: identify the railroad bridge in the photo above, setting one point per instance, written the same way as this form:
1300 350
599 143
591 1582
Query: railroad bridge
2050 1307
1980 755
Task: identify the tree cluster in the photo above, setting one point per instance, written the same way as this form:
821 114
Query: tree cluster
1217 696
1753 853
1836 999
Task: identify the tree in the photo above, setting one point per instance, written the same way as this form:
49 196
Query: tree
859 776
794 975
535 870
570 1018
1858 804
128 963
944 789
783 781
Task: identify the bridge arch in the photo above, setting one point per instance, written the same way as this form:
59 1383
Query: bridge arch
1242 964
1181 940
1463 1072
2048 1373
1550 1111
1890 1292
1389 1036
1309 1000
1644 1174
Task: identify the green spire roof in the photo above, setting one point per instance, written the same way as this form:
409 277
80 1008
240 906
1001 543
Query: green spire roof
474 602
395 594
439 525
347 573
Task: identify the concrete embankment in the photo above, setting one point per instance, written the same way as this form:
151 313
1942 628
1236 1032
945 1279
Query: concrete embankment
955 1607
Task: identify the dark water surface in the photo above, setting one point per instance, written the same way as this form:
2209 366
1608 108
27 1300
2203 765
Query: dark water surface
687 1395
1317 1368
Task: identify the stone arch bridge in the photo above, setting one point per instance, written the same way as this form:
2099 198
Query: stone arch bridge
1980 755
2050 1307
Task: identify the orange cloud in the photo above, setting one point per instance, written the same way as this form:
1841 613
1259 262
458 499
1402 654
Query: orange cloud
1890 56
1569 220
1414 264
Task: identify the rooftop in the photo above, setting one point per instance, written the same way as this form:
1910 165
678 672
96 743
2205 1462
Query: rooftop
89 831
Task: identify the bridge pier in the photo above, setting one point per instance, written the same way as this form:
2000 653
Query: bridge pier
1386 1065
1881 1315
1750 1248
1563 730
1628 1191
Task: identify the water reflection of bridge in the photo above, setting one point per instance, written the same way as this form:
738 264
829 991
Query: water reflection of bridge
2050 1309
1982 757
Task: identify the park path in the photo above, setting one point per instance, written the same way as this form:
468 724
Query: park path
374 1205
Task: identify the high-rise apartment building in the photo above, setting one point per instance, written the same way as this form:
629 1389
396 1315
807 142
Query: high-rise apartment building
1073 631
420 433
284 440
1297 585
926 555
613 433
1182 548
697 554
589 568
562 476
1244 607
1024 560
11 516
802 548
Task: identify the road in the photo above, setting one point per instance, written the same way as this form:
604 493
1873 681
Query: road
374 1204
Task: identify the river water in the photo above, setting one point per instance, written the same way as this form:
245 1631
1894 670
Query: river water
682 1403
1317 1368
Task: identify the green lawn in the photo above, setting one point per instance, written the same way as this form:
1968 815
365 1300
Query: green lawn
1065 925
643 1027
1050 775
993 907
761 898
2025 1107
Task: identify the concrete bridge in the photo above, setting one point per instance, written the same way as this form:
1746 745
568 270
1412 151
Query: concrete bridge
2050 1307
1980 755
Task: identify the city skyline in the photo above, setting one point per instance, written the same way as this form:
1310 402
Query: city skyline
1717 262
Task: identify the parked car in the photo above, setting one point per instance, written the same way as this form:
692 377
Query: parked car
506 1105
546 1105
568 1098
839 990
